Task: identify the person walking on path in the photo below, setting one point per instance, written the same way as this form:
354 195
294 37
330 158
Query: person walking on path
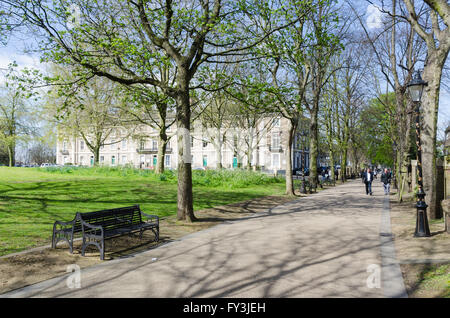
386 180
368 178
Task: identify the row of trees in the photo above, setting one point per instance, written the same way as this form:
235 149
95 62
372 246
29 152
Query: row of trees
20 122
166 62
414 36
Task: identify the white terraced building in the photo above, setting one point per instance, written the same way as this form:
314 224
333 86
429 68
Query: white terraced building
268 150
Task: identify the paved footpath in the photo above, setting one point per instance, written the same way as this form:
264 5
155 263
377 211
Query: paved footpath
330 244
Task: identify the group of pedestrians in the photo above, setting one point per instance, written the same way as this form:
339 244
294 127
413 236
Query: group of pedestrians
368 175
326 174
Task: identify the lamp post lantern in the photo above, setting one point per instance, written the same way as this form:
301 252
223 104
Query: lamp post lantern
415 89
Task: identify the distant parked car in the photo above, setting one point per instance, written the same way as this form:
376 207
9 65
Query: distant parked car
44 165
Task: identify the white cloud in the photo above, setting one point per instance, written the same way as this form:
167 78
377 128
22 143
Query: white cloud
374 16
23 61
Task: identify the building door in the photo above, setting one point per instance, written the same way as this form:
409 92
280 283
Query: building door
92 160
155 159
235 162
205 160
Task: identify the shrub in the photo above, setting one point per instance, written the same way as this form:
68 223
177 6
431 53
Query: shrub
237 178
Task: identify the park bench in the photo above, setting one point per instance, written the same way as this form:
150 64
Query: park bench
308 187
328 181
97 226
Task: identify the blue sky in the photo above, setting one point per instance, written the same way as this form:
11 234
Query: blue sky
374 21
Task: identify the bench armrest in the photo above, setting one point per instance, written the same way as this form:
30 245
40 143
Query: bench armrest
91 228
63 225
151 218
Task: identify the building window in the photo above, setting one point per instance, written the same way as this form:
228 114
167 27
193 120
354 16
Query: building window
81 160
167 161
124 160
276 122
65 159
154 144
113 145
142 144
275 140
113 160
102 159
124 144
64 145
276 161
192 141
81 145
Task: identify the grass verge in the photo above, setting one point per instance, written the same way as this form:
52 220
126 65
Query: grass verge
427 280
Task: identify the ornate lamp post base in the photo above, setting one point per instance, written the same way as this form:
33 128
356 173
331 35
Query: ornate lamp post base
422 228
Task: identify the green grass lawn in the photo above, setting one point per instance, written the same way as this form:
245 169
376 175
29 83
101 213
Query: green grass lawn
31 199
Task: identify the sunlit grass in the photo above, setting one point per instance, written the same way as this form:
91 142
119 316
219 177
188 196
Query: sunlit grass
436 277
32 199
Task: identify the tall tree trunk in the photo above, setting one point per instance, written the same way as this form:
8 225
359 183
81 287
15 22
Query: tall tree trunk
250 149
313 146
438 47
430 104
344 164
289 178
395 172
219 149
256 167
185 209
332 166
162 142
96 152
162 138
11 155
355 159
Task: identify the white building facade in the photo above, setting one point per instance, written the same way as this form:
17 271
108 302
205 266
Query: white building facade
267 148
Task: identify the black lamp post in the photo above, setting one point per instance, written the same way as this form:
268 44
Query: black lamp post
415 88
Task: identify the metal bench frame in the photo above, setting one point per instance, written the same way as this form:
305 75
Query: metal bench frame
94 234
64 231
